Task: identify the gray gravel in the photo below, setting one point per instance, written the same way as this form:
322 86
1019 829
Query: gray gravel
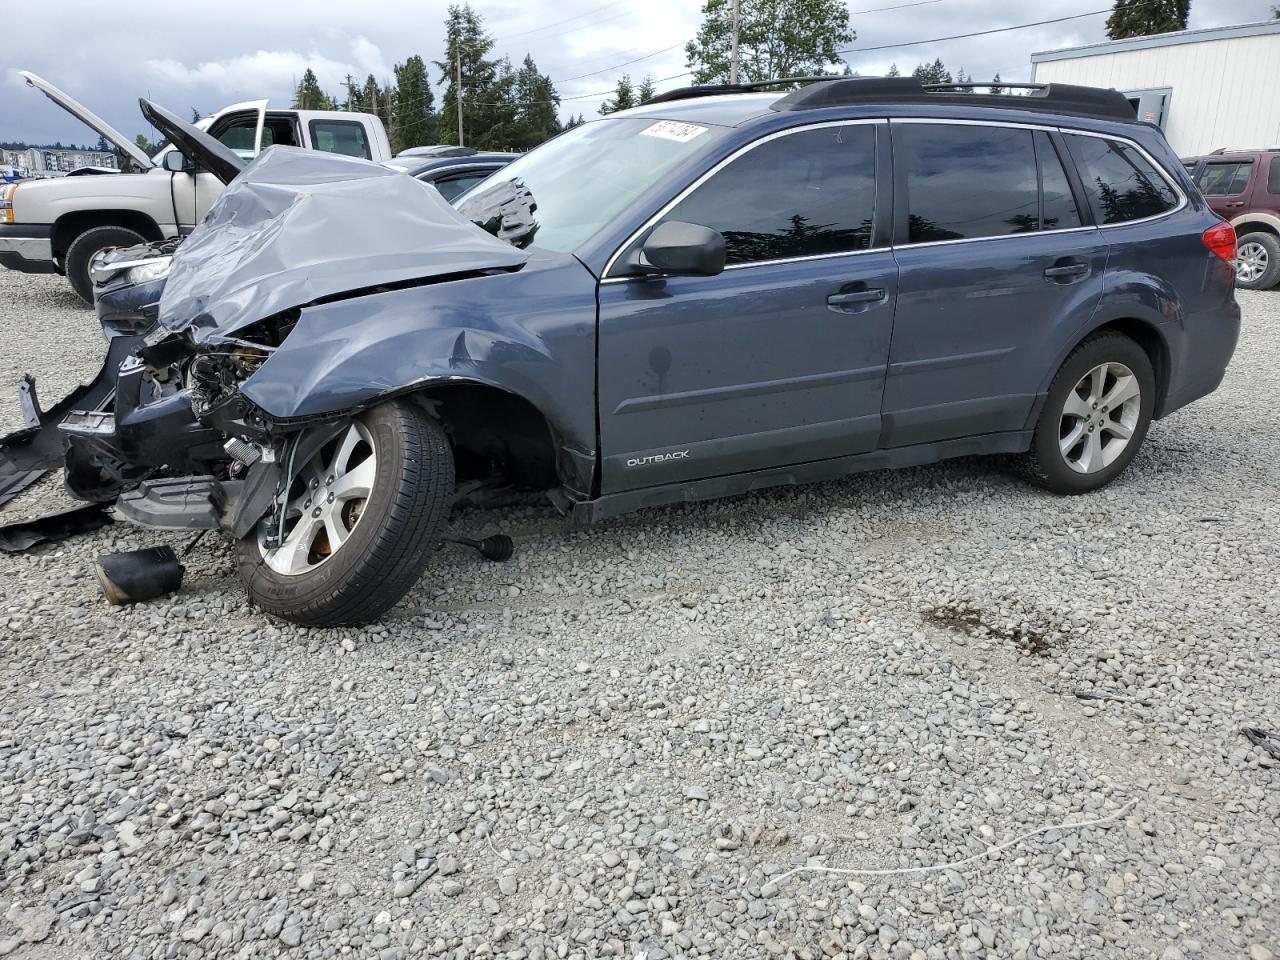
614 745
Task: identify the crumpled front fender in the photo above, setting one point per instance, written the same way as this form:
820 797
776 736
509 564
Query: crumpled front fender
530 333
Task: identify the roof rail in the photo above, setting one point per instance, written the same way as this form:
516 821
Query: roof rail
819 92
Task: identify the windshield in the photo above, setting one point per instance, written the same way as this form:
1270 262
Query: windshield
579 181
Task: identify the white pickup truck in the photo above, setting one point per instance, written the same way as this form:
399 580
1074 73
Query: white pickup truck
57 225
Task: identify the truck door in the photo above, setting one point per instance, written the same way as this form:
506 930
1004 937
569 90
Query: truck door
238 128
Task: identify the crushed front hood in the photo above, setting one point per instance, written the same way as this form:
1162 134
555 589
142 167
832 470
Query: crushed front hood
299 226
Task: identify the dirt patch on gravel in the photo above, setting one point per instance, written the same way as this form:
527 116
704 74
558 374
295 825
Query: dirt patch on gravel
1039 640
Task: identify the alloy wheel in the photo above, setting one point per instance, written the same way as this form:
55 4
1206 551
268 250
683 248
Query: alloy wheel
324 503
1099 417
1251 261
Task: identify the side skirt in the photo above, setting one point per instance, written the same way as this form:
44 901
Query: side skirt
602 508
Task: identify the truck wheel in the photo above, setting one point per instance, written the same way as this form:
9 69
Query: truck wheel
82 250
1095 417
1257 261
361 518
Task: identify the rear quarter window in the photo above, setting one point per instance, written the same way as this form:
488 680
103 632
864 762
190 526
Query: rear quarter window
1273 177
1121 184
340 136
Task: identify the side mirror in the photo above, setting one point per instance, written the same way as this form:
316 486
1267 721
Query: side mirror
175 162
685 249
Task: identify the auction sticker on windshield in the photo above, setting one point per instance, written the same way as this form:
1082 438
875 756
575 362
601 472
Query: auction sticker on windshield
673 130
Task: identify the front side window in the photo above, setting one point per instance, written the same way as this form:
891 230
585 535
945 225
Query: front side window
1225 179
238 133
1120 183
340 136
804 194
967 181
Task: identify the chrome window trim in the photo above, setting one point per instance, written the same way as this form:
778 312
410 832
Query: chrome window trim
745 148
1048 128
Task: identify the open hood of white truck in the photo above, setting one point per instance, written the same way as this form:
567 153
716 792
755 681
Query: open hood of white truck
84 114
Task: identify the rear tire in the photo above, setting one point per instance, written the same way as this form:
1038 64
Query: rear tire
1257 261
385 543
81 252
1095 416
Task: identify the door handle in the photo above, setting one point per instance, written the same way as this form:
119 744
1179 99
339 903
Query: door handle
1235 203
855 297
1067 272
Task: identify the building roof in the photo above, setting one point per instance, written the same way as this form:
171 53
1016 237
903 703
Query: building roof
1259 29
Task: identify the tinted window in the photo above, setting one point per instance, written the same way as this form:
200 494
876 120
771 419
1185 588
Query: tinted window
1058 211
1273 176
455 186
1120 183
967 181
340 136
799 195
1225 179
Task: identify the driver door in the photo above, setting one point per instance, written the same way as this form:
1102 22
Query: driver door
193 193
781 358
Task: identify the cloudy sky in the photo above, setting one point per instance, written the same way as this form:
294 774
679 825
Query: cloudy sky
207 55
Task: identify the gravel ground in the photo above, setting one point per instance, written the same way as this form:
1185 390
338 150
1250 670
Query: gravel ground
619 743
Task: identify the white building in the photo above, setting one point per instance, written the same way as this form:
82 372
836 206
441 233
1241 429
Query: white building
1206 88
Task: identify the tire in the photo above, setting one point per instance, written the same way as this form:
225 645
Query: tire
1066 461
1257 261
82 250
390 534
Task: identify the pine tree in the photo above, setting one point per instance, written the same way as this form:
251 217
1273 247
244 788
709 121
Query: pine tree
893 71
577 121
309 96
995 85
416 123
645 92
776 39
195 115
535 101
1141 18
932 72
467 42
624 97
104 145
965 81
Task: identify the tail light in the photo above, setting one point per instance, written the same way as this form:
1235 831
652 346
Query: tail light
1221 241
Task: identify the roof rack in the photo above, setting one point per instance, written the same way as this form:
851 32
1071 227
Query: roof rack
819 92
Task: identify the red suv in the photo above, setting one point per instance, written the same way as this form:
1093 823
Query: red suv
1243 186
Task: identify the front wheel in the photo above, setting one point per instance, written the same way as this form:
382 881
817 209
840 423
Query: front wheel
360 519
84 248
1095 416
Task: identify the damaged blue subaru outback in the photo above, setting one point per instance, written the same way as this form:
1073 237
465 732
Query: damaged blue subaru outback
725 289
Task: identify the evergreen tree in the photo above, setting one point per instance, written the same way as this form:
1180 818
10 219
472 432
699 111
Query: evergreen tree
1141 18
932 72
577 121
309 96
995 85
893 71
416 123
645 92
776 39
965 81
466 42
535 101
104 145
623 98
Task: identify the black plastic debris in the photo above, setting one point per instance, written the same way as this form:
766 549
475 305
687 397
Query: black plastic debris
137 575
1268 741
17 537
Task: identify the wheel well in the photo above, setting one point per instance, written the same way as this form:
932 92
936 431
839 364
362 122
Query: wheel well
1152 343
71 225
493 430
1256 226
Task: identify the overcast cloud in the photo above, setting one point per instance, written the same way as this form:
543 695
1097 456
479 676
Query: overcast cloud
206 55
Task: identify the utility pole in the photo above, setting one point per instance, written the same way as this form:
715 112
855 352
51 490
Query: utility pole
457 88
733 56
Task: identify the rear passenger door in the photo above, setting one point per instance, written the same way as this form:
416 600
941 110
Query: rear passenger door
997 264
1225 184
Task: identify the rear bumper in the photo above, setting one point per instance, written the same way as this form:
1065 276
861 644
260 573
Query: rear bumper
1209 342
27 247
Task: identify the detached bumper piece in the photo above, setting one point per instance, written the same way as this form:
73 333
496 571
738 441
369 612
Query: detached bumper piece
183 503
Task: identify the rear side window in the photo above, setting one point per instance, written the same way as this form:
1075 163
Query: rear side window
1058 210
1120 183
456 186
1225 179
1273 176
967 181
802 194
340 136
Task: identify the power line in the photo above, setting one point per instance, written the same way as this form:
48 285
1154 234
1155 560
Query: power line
977 33
550 26
619 66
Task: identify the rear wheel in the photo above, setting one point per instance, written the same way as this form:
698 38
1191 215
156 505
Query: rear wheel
83 248
1095 416
360 519
1257 261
